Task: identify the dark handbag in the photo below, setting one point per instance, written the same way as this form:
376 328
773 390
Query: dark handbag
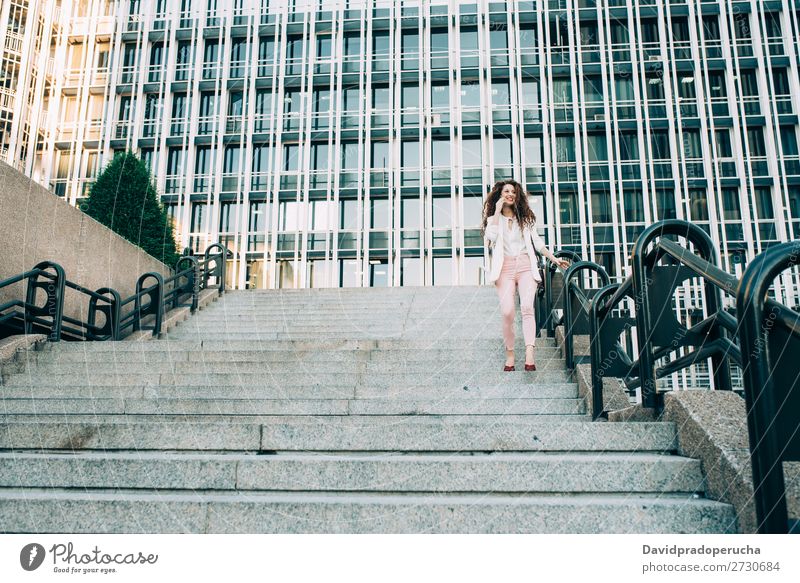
540 287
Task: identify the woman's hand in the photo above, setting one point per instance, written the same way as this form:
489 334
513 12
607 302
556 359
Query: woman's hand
562 263
499 206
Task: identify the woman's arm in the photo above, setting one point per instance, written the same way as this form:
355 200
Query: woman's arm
540 246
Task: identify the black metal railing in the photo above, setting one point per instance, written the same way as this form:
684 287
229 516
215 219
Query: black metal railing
551 313
756 333
641 309
769 337
108 316
29 316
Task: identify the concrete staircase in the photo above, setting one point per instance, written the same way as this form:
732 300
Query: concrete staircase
354 410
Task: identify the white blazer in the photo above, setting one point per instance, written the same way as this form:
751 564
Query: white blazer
533 242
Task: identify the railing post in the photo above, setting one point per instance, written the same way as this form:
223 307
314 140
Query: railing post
641 268
192 285
111 311
219 258
595 347
572 271
156 305
54 306
759 386
549 322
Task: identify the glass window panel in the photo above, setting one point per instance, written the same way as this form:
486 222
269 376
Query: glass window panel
410 154
231 162
379 213
789 140
439 41
319 156
380 98
730 204
628 146
349 156
633 201
410 99
380 154
659 141
349 274
288 215
498 39
691 144
598 147
565 148
258 216
698 204
533 151
442 213
723 142
348 214
470 94
473 211
410 271
665 203
471 152
261 154
502 151
440 152
500 95
442 271
764 203
409 213
469 40
755 139
440 95
291 153
320 214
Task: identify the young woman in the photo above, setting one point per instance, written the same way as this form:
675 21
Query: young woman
509 227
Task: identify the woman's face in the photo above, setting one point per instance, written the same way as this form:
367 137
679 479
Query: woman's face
508 195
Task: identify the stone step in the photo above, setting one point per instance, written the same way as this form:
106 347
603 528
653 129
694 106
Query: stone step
346 433
460 472
300 512
433 356
262 375
457 405
287 391
458 367
169 344
257 328
354 334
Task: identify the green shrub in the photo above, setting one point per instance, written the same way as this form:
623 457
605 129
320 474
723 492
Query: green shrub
124 199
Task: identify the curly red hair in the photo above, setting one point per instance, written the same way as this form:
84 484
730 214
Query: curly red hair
522 211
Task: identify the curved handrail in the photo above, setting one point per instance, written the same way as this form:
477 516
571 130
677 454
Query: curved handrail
641 261
187 279
54 292
155 307
190 286
550 322
761 393
218 258
572 290
110 328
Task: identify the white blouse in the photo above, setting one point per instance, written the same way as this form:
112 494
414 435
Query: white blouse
513 244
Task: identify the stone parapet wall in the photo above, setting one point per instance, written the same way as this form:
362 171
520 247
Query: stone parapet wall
36 226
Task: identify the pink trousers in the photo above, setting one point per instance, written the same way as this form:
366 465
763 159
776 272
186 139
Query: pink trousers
517 272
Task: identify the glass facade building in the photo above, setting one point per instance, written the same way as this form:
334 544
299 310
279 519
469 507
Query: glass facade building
351 143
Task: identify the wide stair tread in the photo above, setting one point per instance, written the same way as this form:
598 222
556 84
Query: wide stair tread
335 410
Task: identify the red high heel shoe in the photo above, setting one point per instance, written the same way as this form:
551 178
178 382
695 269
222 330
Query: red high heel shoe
530 367
507 368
